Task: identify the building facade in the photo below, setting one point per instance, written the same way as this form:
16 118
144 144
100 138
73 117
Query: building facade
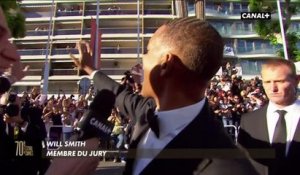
54 27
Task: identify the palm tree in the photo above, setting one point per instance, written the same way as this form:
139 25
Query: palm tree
271 30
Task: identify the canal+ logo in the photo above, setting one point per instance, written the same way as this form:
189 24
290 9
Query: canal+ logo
255 15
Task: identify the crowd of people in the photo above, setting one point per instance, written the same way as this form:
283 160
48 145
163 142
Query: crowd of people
228 94
231 96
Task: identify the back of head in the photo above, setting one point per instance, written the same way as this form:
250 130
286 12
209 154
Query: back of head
197 44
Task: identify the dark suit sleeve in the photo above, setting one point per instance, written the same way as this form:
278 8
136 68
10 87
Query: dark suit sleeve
248 124
253 131
102 81
243 135
34 137
129 104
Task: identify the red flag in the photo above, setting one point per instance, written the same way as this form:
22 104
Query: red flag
93 42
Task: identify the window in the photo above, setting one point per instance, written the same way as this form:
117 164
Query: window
249 46
241 46
191 9
251 67
258 45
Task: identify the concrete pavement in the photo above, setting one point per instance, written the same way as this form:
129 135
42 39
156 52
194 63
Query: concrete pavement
109 168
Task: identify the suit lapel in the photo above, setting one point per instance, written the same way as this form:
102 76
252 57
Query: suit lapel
297 133
140 128
295 144
261 127
139 132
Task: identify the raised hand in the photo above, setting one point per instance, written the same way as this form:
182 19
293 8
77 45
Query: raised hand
85 61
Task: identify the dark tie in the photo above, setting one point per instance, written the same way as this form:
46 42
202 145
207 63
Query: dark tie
279 138
153 124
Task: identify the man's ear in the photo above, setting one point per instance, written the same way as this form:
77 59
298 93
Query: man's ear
167 64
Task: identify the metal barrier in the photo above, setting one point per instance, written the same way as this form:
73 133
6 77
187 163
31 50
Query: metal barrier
65 130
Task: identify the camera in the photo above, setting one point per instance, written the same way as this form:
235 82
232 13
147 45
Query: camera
128 77
127 74
11 108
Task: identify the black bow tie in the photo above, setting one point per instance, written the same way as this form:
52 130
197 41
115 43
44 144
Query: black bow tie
153 124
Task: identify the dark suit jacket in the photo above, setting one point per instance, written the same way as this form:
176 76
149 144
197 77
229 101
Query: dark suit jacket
7 147
34 136
254 135
195 149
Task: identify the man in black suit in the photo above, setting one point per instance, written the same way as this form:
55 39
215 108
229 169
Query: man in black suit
184 138
25 132
7 145
276 125
12 68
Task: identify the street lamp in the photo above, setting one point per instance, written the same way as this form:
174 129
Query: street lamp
282 31
45 80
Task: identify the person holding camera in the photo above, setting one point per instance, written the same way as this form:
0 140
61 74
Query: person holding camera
11 70
117 133
7 134
23 132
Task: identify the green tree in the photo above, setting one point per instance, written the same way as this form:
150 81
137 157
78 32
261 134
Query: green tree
271 29
14 17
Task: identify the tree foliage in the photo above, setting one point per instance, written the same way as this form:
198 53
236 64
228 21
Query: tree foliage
271 31
14 17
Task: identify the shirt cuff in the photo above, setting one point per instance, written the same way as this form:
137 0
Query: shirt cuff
24 128
93 74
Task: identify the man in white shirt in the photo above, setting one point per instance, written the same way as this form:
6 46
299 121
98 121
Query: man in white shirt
276 125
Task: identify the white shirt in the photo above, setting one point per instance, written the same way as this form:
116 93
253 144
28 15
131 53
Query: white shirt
170 124
291 119
93 74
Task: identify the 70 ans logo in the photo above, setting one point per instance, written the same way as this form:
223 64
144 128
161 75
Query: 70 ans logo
22 149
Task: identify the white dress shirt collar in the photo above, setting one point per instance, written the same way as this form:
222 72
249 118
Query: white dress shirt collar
295 106
174 119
